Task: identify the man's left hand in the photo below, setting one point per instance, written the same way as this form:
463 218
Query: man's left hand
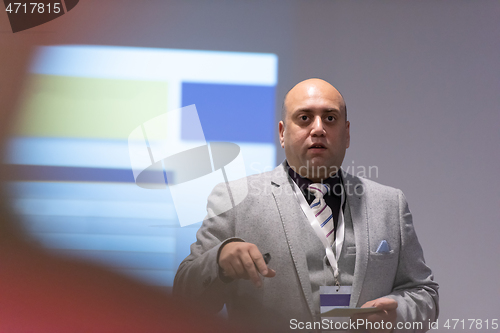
388 313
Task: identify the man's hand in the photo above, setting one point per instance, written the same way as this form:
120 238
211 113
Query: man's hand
240 260
388 313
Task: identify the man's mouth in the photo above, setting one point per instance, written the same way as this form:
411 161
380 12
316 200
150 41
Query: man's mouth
317 146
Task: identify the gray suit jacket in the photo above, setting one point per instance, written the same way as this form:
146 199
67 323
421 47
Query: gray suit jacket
269 217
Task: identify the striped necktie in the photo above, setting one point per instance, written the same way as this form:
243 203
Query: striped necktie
321 210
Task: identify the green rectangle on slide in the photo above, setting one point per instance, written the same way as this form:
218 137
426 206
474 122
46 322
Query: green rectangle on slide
78 107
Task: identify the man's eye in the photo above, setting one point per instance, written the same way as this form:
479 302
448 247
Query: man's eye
303 118
330 118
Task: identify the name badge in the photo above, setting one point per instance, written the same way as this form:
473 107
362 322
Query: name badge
333 297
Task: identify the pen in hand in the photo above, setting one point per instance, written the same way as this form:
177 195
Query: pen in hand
267 258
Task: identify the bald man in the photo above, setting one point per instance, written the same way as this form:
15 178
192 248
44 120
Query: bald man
322 227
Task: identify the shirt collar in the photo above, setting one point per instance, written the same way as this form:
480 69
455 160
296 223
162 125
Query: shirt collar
303 183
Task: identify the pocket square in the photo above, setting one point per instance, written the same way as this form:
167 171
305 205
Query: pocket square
383 247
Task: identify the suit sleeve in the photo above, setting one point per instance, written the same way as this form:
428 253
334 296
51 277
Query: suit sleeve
414 287
197 277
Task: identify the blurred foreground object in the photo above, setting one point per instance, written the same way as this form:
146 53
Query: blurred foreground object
40 292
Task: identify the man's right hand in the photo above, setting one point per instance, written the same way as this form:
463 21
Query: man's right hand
240 260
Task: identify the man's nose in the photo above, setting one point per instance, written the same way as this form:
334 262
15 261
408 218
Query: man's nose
317 127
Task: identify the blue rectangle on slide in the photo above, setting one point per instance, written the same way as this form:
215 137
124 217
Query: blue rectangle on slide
228 112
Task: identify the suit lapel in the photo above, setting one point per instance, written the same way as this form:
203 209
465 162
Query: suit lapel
357 205
290 212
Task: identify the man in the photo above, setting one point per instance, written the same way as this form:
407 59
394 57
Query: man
380 260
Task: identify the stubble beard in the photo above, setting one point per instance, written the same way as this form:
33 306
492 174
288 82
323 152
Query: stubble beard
316 170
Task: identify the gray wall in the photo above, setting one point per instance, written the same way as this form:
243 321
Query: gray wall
421 80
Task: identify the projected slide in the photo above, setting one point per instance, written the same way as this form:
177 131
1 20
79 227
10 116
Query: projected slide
190 171
74 183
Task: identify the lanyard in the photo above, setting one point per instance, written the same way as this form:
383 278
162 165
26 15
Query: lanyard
339 233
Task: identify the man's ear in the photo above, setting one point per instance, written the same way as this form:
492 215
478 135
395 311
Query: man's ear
348 134
281 129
